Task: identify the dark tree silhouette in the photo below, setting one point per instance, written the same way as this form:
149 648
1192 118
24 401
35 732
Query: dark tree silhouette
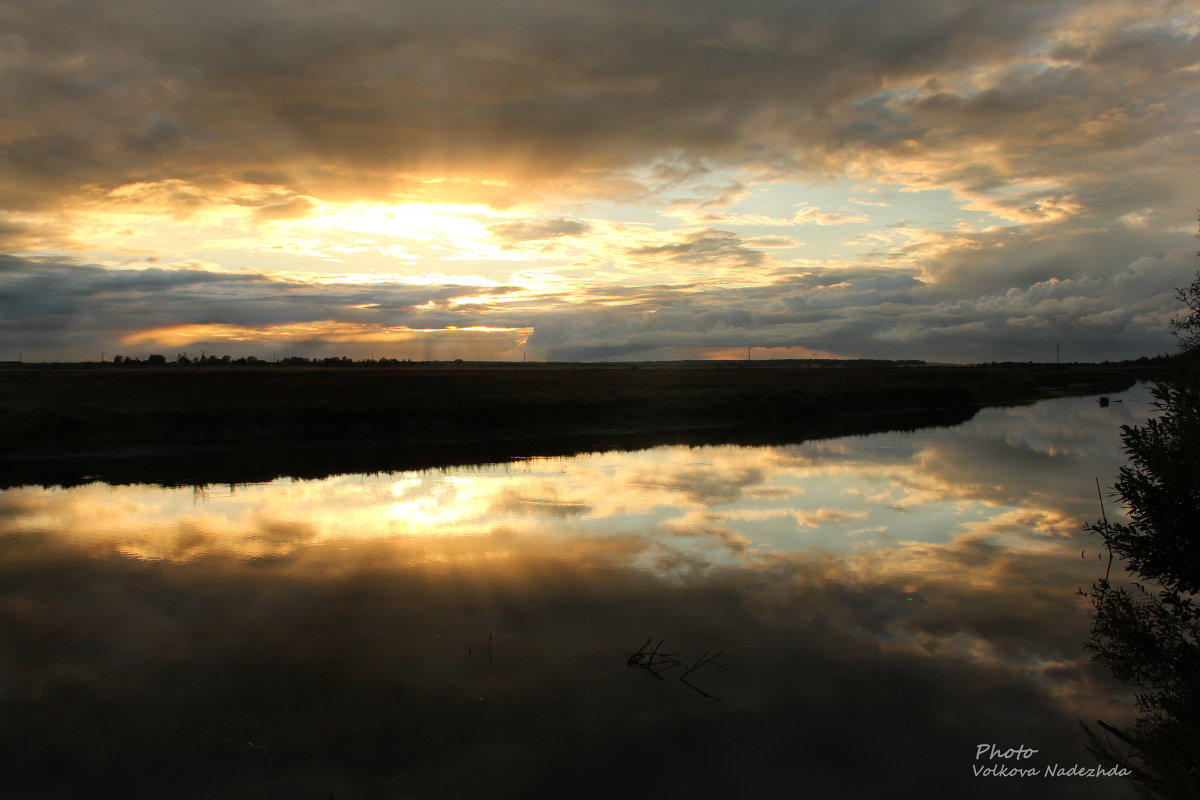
1148 631
1187 328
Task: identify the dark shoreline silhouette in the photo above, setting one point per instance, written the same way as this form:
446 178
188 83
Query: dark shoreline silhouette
69 424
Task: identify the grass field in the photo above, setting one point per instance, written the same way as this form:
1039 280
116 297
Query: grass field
105 411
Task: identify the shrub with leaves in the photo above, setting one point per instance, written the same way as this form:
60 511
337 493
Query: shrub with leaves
1148 631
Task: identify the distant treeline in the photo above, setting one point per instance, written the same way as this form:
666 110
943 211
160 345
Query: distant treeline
182 359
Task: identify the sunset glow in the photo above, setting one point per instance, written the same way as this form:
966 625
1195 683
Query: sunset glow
950 182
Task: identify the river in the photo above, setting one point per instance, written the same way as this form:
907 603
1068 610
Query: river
852 617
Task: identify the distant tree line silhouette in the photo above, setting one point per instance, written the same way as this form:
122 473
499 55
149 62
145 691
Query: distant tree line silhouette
182 359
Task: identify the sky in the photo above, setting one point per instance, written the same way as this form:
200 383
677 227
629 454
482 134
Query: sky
946 180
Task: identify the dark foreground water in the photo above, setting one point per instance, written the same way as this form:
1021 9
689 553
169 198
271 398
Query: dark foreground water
844 618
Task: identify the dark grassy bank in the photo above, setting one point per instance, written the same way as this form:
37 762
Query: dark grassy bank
266 418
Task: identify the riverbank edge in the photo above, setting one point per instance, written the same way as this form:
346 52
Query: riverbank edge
692 406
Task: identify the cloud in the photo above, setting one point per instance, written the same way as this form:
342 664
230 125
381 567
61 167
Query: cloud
49 307
704 213
814 216
703 247
531 231
294 208
416 588
893 314
53 307
1063 132
336 101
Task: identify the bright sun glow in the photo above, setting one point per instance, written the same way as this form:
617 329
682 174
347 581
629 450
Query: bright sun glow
916 202
420 221
414 233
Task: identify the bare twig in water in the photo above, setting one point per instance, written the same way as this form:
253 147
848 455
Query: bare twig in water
651 660
704 660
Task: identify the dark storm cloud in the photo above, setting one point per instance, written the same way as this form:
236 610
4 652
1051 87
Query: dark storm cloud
52 306
874 312
338 96
1073 121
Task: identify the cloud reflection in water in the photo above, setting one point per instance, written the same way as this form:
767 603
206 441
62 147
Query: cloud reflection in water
884 604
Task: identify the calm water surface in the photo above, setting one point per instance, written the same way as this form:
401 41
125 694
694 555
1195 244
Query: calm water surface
849 617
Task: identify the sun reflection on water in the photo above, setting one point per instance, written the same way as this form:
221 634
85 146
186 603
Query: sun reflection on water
943 563
899 492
